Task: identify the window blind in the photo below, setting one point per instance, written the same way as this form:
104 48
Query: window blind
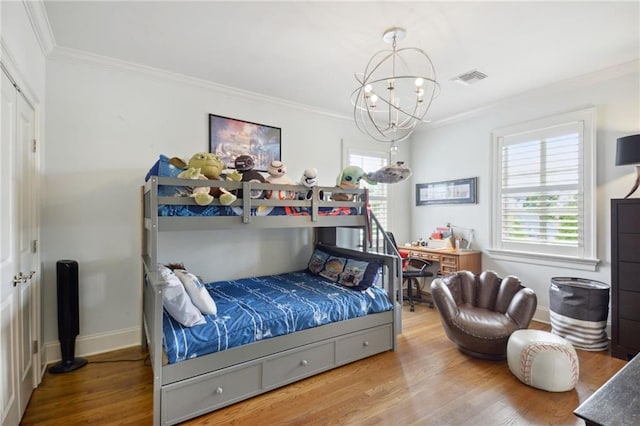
541 187
372 161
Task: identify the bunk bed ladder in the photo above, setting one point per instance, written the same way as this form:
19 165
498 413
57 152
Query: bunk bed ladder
380 242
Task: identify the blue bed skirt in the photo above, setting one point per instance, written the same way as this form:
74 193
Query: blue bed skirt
254 309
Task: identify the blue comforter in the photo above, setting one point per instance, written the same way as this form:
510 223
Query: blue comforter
253 309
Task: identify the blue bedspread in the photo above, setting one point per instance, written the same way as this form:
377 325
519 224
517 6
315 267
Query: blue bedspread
214 210
253 309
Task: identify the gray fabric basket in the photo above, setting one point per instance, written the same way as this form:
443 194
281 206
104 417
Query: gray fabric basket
579 309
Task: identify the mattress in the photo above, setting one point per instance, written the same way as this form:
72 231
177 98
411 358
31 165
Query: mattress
253 309
212 210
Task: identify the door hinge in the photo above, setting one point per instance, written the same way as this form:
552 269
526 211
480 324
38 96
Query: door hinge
35 144
35 347
34 246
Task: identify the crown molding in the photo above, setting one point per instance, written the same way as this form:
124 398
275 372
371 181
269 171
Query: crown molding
65 54
40 24
9 65
582 81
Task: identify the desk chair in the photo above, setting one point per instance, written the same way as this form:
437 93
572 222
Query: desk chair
414 268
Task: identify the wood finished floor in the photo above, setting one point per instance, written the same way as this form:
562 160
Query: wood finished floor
427 381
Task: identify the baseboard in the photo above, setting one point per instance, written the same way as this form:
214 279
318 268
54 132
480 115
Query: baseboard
97 343
542 315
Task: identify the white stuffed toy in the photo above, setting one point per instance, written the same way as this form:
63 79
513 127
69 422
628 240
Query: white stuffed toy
278 175
309 180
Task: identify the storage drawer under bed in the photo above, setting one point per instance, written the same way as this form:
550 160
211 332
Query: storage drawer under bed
189 398
296 364
364 344
202 394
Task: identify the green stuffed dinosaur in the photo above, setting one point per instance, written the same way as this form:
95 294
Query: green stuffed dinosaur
350 178
211 166
199 193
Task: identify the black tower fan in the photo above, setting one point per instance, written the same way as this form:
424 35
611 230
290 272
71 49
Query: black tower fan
68 311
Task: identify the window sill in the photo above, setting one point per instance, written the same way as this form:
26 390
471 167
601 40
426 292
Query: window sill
545 259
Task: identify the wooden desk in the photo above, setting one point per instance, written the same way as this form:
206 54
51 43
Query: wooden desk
616 402
450 260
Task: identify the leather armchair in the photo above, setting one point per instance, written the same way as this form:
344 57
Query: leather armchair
479 312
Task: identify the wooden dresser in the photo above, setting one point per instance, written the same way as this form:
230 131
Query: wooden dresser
625 277
450 260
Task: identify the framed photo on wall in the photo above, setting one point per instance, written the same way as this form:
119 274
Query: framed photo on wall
230 138
447 192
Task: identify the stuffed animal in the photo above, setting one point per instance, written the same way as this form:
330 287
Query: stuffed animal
211 166
350 178
392 173
199 193
309 180
278 175
245 164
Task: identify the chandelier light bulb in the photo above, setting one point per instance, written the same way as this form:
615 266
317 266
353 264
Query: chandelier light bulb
395 91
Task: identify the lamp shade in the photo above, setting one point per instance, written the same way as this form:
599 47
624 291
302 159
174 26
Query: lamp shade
628 150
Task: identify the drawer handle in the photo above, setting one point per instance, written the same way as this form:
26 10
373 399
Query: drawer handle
365 343
304 363
219 391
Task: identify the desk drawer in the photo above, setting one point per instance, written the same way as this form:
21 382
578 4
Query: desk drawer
297 364
449 261
364 344
207 392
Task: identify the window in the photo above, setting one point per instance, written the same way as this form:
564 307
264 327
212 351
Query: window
544 191
378 194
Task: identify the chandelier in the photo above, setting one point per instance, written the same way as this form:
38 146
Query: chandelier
395 91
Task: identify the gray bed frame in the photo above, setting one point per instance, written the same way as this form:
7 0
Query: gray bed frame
200 385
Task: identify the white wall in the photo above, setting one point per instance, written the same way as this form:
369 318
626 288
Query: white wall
463 149
106 126
21 48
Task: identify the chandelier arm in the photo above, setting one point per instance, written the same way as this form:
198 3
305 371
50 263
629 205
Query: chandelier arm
379 99
366 74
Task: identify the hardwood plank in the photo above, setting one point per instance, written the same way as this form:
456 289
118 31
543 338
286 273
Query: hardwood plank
426 381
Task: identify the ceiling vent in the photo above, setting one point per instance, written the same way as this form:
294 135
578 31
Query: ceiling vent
470 77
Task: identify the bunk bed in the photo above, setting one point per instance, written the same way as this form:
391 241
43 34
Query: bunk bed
186 385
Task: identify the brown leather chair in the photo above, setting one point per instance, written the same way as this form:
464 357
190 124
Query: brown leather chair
479 312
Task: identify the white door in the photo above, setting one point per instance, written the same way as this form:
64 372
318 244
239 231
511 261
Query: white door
17 227
25 170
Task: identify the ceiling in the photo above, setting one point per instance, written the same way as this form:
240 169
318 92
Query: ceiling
308 52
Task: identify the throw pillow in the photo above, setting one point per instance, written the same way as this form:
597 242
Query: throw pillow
197 292
176 301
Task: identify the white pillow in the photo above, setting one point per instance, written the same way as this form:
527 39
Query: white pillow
176 300
197 291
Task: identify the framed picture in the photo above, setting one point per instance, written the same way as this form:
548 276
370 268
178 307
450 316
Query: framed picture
447 192
230 138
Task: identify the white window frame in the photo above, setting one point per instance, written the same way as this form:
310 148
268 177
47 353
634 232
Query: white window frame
356 149
584 258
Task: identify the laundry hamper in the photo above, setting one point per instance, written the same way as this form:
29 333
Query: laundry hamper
579 309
